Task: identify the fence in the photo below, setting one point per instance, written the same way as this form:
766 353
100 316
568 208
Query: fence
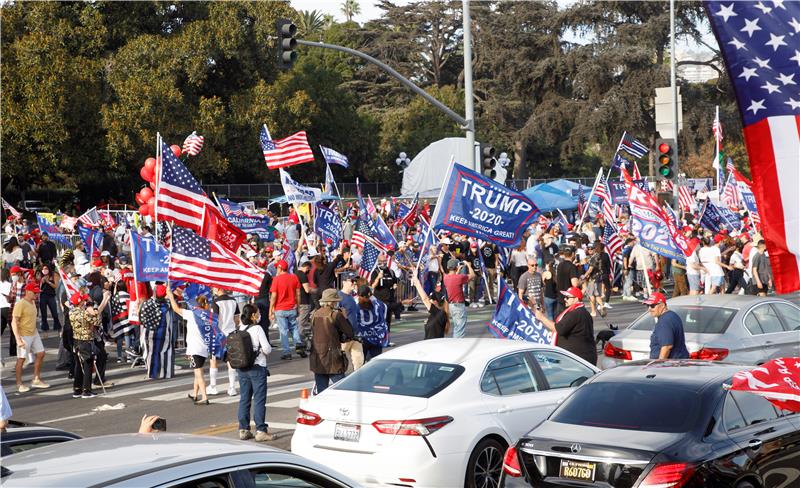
266 191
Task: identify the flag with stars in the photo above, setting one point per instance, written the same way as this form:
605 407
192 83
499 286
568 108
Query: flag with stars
280 153
760 43
179 197
119 314
369 259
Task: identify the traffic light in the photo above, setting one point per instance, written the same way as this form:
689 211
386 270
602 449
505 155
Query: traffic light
667 158
286 43
489 162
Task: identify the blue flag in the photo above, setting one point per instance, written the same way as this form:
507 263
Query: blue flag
54 233
716 218
513 320
208 323
150 259
92 238
372 324
480 207
328 225
384 234
249 224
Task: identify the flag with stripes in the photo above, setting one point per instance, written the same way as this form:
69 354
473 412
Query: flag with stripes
106 218
193 144
90 218
360 232
581 199
632 146
13 211
179 197
280 153
759 46
205 262
730 196
685 198
69 286
119 314
230 208
333 157
68 223
369 259
611 239
288 256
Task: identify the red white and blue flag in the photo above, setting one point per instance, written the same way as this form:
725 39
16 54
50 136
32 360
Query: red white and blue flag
13 211
280 153
90 218
632 146
193 144
760 48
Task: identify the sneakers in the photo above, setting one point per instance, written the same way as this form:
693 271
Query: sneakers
286 357
212 390
473 305
23 388
245 435
38 383
119 360
264 436
232 392
302 353
608 306
274 326
629 299
76 394
88 394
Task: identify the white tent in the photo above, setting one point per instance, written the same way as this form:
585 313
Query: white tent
427 170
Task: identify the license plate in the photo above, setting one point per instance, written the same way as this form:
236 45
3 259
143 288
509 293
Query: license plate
577 470
347 432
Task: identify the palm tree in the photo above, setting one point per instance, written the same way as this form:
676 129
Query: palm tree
350 8
328 20
311 22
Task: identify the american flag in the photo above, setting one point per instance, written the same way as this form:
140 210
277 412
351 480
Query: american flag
685 198
179 198
68 222
729 167
199 260
193 144
119 314
369 259
667 185
632 146
231 208
581 199
611 239
13 211
361 231
106 218
288 151
333 157
70 287
730 196
759 43
288 256
604 195
716 129
90 218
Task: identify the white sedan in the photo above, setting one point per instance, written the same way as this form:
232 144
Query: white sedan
436 413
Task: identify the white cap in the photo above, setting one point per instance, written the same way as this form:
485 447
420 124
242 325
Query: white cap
276 254
251 254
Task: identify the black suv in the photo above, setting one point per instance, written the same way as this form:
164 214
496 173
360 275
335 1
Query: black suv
667 424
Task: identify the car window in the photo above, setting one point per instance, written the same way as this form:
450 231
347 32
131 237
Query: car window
791 316
697 319
754 408
509 375
274 480
401 377
752 324
731 415
291 477
216 481
31 445
561 370
767 318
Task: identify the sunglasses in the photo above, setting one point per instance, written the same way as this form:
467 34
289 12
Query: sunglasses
654 305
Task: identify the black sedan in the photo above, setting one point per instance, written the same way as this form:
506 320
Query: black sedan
21 436
666 424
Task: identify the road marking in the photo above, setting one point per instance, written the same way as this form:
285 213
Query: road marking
234 426
68 390
278 390
152 386
62 419
290 403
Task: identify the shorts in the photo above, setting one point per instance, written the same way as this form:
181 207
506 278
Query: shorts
33 346
593 288
196 362
694 282
717 280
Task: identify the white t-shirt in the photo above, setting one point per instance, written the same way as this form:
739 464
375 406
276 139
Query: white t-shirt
5 289
708 257
690 260
531 245
737 261
195 346
259 339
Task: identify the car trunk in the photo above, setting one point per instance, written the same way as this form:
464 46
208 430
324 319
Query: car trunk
638 342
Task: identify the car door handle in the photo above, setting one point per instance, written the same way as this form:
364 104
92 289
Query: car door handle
754 444
767 342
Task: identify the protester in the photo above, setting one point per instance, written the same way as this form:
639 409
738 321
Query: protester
574 326
349 306
594 280
711 260
736 278
371 323
679 279
384 285
329 329
437 324
196 348
473 257
549 290
694 268
84 320
253 380
157 329
29 344
667 340
531 287
567 275
227 311
489 255
13 252
5 310
47 297
304 305
454 283
284 299
761 269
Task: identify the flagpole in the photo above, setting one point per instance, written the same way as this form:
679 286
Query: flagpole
616 153
435 211
589 201
158 173
717 141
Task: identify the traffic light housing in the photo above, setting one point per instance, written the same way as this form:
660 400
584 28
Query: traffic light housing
489 162
667 158
286 43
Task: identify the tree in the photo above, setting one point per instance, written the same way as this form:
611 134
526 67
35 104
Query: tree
311 22
350 8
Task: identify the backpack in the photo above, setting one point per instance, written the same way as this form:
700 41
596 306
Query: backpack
241 354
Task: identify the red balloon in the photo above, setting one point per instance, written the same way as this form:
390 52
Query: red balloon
151 201
147 175
153 185
151 207
150 164
139 199
176 149
146 194
144 210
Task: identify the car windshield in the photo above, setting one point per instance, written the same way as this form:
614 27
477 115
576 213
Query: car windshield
401 377
697 319
630 406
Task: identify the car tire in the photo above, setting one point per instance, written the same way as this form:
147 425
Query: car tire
485 465
745 484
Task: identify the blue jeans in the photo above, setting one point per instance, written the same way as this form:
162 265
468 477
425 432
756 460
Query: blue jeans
253 390
287 323
458 317
370 351
550 307
322 381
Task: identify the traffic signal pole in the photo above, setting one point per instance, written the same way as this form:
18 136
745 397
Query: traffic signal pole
674 86
469 109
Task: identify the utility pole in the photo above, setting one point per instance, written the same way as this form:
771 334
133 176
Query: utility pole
469 108
674 86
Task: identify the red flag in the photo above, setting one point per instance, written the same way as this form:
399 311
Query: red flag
777 381
218 229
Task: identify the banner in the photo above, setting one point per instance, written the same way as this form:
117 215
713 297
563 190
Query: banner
775 380
513 320
52 231
254 224
700 184
748 198
477 206
716 218
619 195
92 238
150 260
328 225
297 193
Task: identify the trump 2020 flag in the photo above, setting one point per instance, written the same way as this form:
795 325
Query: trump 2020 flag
333 157
150 260
513 320
759 43
297 193
328 225
477 206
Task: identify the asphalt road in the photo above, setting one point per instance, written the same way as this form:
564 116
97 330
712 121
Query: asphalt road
133 396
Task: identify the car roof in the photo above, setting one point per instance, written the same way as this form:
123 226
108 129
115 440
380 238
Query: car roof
691 373
725 300
459 351
123 455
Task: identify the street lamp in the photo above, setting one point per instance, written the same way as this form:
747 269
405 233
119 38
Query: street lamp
402 161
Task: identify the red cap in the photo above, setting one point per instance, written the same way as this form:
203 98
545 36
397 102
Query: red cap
746 235
10 217
473 245
270 248
655 298
346 243
573 292
161 291
281 264
32 286
718 237
77 298
97 263
687 228
15 269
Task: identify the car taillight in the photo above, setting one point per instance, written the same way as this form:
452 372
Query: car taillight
615 352
668 475
307 418
511 463
710 354
412 427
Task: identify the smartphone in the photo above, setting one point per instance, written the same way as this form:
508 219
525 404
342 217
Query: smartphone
160 424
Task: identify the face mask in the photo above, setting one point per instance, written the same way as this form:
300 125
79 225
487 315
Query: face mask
14 279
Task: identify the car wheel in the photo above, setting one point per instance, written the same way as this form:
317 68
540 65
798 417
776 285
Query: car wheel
485 465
